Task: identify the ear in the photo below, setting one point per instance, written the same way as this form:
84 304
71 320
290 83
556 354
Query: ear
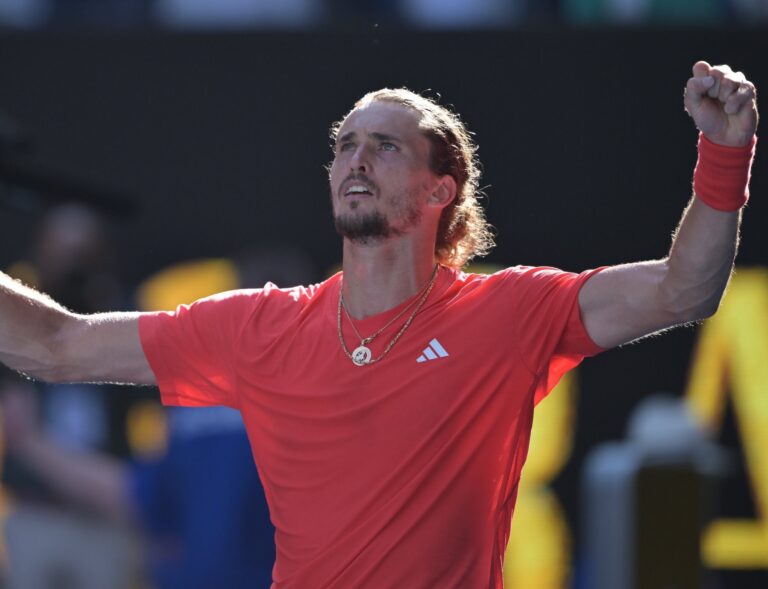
444 192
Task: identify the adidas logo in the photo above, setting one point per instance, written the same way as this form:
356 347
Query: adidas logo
432 352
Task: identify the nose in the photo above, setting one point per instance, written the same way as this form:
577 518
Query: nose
359 161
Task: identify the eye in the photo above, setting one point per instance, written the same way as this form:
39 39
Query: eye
346 146
387 146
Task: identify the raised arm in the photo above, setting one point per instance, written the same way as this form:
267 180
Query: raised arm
626 302
44 340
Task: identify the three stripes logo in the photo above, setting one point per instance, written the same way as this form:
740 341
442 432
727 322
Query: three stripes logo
432 352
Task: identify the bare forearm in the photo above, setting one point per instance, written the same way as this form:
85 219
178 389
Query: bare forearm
29 324
42 339
723 106
623 303
700 260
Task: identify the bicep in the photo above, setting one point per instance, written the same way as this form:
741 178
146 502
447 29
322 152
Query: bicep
623 303
105 347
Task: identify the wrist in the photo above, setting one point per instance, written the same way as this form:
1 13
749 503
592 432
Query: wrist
721 177
742 141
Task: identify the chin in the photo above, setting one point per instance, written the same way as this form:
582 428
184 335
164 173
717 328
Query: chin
362 227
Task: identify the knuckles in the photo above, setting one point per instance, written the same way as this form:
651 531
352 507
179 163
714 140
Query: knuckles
730 83
735 93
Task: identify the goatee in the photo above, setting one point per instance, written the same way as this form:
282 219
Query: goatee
363 229
372 227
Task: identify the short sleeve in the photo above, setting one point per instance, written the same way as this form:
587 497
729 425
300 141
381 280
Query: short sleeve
550 333
193 350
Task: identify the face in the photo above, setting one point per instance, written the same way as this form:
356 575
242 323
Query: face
380 177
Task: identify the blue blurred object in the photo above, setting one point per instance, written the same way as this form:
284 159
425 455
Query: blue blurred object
463 14
205 495
237 14
639 12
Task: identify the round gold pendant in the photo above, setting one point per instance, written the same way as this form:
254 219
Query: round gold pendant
361 355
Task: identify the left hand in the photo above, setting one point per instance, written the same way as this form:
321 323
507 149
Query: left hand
722 103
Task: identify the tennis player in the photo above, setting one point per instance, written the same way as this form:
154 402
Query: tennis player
389 408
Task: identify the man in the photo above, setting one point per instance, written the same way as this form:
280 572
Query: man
389 408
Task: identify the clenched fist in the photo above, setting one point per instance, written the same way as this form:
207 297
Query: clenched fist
722 103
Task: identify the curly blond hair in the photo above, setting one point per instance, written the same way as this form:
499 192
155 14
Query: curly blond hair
463 232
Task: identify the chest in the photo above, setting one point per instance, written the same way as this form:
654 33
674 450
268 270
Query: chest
450 379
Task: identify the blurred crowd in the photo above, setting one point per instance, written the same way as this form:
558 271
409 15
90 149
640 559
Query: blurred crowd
101 487
430 14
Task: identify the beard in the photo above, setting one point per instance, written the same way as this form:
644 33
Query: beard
363 229
369 228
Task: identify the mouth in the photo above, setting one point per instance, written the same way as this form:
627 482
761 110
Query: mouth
356 189
356 192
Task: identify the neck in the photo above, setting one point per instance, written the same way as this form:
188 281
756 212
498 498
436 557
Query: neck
379 277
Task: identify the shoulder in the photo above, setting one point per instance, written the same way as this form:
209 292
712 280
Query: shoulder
269 295
228 309
296 297
519 276
541 276
523 283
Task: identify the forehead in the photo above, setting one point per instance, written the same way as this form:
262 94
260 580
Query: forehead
386 117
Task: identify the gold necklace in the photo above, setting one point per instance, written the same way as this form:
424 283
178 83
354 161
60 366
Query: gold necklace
366 340
362 355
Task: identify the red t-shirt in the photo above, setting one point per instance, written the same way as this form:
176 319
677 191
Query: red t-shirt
402 473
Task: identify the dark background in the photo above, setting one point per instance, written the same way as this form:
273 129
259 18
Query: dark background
218 142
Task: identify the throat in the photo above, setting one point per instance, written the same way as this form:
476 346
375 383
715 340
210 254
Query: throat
362 355
366 299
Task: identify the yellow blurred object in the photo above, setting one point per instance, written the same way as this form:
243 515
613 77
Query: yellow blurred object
147 430
182 283
735 544
538 554
539 550
552 434
186 282
731 360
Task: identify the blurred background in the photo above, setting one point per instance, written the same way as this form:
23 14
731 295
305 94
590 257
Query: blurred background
155 151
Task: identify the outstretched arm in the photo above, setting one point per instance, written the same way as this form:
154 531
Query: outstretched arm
42 339
626 302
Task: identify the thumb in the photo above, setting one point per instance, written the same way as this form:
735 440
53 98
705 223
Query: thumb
701 69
